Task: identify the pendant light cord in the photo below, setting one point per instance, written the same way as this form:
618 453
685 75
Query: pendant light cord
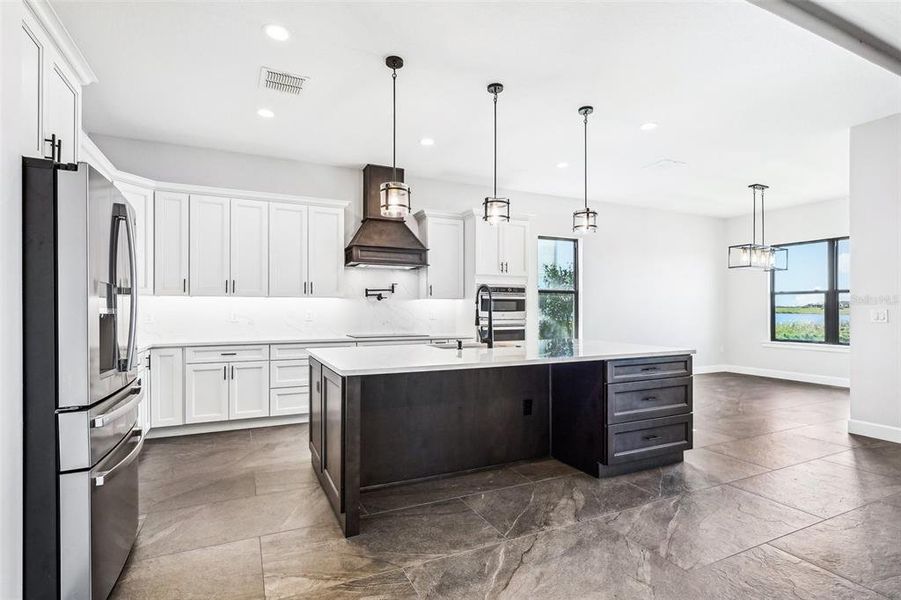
495 144
585 122
394 124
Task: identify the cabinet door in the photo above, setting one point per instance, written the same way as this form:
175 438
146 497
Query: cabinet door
206 392
170 245
487 243
316 414
32 80
167 387
287 250
248 390
445 275
514 240
209 243
326 250
141 201
249 248
61 113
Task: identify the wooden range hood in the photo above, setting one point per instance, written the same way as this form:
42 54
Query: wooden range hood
384 242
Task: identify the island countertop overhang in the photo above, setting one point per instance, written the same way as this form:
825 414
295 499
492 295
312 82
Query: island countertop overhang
381 360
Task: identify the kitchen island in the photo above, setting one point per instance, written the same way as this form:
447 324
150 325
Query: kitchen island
387 415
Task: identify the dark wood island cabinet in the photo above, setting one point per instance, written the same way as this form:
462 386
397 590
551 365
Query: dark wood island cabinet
389 424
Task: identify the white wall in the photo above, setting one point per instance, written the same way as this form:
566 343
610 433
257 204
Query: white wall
10 303
876 272
625 296
747 328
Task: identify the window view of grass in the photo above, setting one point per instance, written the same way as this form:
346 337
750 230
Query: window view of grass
805 323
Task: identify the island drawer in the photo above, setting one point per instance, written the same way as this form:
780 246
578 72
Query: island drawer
638 369
627 442
648 399
289 373
208 354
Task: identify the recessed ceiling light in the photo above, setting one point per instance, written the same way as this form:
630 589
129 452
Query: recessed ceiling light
265 113
277 32
648 126
427 142
562 165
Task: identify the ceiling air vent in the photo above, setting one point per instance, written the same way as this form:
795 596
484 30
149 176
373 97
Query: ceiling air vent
279 81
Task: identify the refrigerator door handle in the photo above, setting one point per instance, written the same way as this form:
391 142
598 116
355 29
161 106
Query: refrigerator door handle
137 391
133 291
102 476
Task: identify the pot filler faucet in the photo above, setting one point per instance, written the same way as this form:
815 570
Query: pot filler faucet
488 337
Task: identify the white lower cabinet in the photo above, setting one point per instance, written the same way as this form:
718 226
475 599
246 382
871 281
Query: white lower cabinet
289 401
248 390
206 392
167 387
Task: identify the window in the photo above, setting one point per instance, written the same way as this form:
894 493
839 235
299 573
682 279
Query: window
558 288
810 301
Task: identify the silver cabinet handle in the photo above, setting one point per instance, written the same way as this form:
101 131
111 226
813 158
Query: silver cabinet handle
233 371
649 399
304 288
102 476
184 286
233 286
311 288
137 391
430 289
228 354
226 286
224 372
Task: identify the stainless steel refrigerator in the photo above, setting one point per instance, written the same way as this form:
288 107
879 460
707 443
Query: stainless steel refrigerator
81 392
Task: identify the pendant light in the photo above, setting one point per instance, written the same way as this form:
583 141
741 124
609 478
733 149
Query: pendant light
585 220
495 210
754 255
394 196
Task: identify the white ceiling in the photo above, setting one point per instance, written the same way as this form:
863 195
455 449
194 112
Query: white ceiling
881 18
741 96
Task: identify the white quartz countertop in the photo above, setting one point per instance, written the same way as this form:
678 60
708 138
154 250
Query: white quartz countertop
378 360
302 339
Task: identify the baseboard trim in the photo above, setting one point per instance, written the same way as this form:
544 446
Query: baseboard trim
776 374
875 430
195 428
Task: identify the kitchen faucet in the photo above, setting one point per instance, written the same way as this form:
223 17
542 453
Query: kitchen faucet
489 337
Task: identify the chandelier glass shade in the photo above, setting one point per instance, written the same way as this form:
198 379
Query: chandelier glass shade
754 255
585 220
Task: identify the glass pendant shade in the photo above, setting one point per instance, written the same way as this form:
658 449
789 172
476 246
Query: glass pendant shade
394 199
496 210
585 221
758 256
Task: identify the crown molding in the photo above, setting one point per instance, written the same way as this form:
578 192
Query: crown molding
92 155
48 19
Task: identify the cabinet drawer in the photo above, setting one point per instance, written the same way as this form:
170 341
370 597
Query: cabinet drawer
289 351
648 399
289 373
643 439
289 401
207 354
637 369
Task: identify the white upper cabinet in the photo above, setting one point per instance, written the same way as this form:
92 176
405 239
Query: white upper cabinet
51 93
170 234
32 84
325 250
514 248
443 236
501 251
248 390
210 254
288 250
249 248
141 201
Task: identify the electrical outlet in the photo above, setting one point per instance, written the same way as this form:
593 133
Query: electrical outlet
526 407
879 315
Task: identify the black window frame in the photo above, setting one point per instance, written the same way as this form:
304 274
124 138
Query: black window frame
576 281
831 295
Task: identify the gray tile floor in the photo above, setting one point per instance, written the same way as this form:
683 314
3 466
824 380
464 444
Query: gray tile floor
776 500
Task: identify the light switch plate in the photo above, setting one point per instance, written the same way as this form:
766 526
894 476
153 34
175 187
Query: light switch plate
879 315
308 316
